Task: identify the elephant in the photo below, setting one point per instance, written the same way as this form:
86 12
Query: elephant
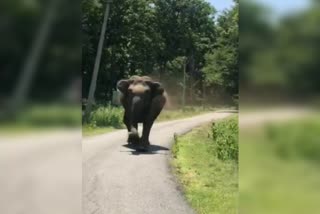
142 99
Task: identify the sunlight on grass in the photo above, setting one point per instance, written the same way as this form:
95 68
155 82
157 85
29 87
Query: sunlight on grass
41 117
108 118
185 112
90 131
280 168
210 184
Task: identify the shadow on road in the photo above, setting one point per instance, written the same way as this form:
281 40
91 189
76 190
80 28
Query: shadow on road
153 149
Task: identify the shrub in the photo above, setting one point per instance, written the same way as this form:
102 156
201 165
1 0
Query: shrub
107 116
225 138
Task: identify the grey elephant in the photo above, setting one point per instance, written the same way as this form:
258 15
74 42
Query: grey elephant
143 99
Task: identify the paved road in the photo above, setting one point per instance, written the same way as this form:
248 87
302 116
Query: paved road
119 180
40 173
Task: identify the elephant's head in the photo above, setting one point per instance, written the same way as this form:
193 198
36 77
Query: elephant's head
138 92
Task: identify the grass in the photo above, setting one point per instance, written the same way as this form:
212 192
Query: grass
186 112
107 118
225 139
90 131
14 129
210 184
280 168
41 117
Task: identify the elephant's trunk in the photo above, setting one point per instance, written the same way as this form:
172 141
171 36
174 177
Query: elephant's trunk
137 108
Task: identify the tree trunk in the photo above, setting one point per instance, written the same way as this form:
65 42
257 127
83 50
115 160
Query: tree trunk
184 84
32 60
97 61
203 93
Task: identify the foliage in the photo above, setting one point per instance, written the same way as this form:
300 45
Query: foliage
225 139
279 54
222 67
107 116
151 37
60 59
210 184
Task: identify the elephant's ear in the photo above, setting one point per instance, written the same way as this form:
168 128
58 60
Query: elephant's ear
156 88
123 86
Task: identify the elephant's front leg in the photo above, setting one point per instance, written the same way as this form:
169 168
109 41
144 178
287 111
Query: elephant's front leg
144 142
133 135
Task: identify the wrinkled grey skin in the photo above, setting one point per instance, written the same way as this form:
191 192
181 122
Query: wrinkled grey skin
143 100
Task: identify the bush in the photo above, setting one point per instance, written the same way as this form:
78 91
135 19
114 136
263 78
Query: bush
296 140
225 138
107 116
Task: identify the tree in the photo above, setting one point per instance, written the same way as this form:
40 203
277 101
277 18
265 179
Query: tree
97 60
150 37
222 69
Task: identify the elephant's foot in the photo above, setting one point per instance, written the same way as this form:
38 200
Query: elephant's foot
133 138
144 146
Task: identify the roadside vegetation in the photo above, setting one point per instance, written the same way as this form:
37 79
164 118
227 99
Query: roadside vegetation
206 163
104 119
40 117
200 66
279 166
187 111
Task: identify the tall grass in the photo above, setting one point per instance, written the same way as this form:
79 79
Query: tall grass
107 117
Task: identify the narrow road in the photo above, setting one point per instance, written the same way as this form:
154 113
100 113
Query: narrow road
40 173
119 180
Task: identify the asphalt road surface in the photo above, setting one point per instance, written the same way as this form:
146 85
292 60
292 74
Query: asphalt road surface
41 173
119 180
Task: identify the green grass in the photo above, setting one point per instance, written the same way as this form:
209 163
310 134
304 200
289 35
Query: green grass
107 118
41 117
51 115
210 184
225 139
90 131
279 168
186 112
14 129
